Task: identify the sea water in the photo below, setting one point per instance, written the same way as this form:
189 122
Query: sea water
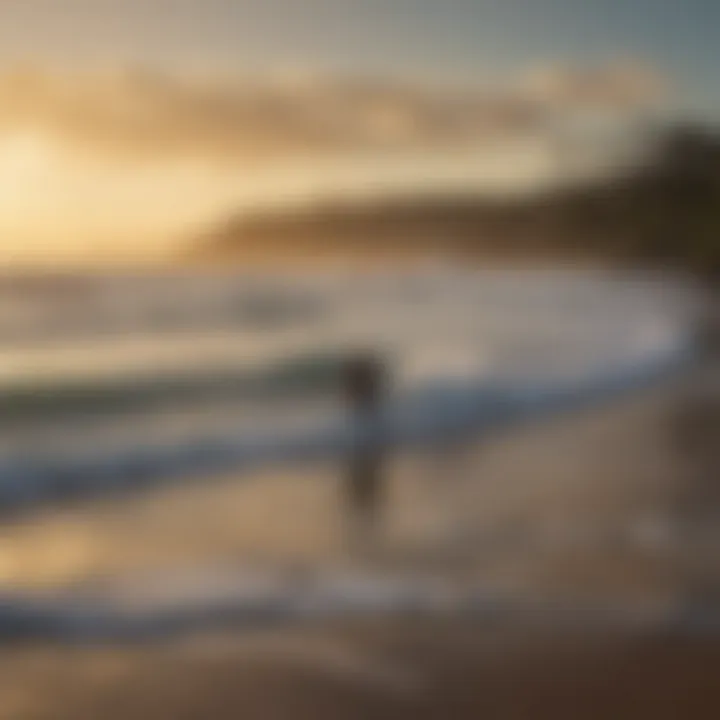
162 372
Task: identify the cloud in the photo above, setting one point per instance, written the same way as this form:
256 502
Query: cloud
620 85
148 114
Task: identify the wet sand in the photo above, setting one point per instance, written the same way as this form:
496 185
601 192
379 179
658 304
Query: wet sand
404 670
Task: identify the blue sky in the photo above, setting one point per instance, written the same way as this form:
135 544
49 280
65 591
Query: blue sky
468 39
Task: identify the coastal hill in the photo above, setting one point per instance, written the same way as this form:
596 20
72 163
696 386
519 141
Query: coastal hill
665 212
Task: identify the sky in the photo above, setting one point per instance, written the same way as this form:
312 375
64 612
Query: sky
104 162
466 39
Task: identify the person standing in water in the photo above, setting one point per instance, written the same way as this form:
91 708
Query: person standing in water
365 387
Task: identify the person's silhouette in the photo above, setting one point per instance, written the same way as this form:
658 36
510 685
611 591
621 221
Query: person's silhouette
364 383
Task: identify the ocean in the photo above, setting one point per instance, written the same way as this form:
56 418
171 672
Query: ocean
107 379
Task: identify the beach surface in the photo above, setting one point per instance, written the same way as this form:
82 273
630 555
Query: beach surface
565 519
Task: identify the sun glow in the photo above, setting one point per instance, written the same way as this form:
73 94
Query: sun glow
58 203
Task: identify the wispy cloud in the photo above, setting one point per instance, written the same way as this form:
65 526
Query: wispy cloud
142 113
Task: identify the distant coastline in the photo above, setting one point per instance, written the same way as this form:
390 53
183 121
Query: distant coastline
664 214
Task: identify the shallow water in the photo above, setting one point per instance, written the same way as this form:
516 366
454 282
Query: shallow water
457 344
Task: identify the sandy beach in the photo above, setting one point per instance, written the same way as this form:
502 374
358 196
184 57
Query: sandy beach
586 510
